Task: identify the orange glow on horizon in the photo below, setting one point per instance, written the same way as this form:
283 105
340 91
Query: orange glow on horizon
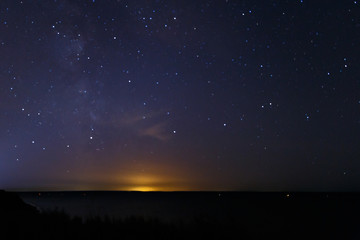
131 176
156 178
142 189
147 183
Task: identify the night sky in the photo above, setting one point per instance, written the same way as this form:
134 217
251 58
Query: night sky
180 95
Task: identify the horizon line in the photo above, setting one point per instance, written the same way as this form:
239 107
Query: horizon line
177 191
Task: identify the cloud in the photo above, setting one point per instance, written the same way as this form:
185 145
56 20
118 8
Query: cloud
157 131
151 125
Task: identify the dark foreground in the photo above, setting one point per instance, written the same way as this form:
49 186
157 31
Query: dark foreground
224 216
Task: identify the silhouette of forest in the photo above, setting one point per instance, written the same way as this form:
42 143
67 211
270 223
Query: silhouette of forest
307 216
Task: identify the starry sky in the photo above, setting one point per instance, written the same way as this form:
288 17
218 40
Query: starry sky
180 95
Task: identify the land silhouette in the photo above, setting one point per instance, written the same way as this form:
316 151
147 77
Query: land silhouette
262 216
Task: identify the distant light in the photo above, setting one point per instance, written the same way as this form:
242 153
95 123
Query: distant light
142 189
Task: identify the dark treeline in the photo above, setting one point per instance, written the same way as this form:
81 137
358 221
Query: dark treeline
306 216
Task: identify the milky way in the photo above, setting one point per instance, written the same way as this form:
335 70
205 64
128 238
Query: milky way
179 95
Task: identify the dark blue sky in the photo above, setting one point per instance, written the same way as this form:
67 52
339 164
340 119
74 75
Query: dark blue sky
180 95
